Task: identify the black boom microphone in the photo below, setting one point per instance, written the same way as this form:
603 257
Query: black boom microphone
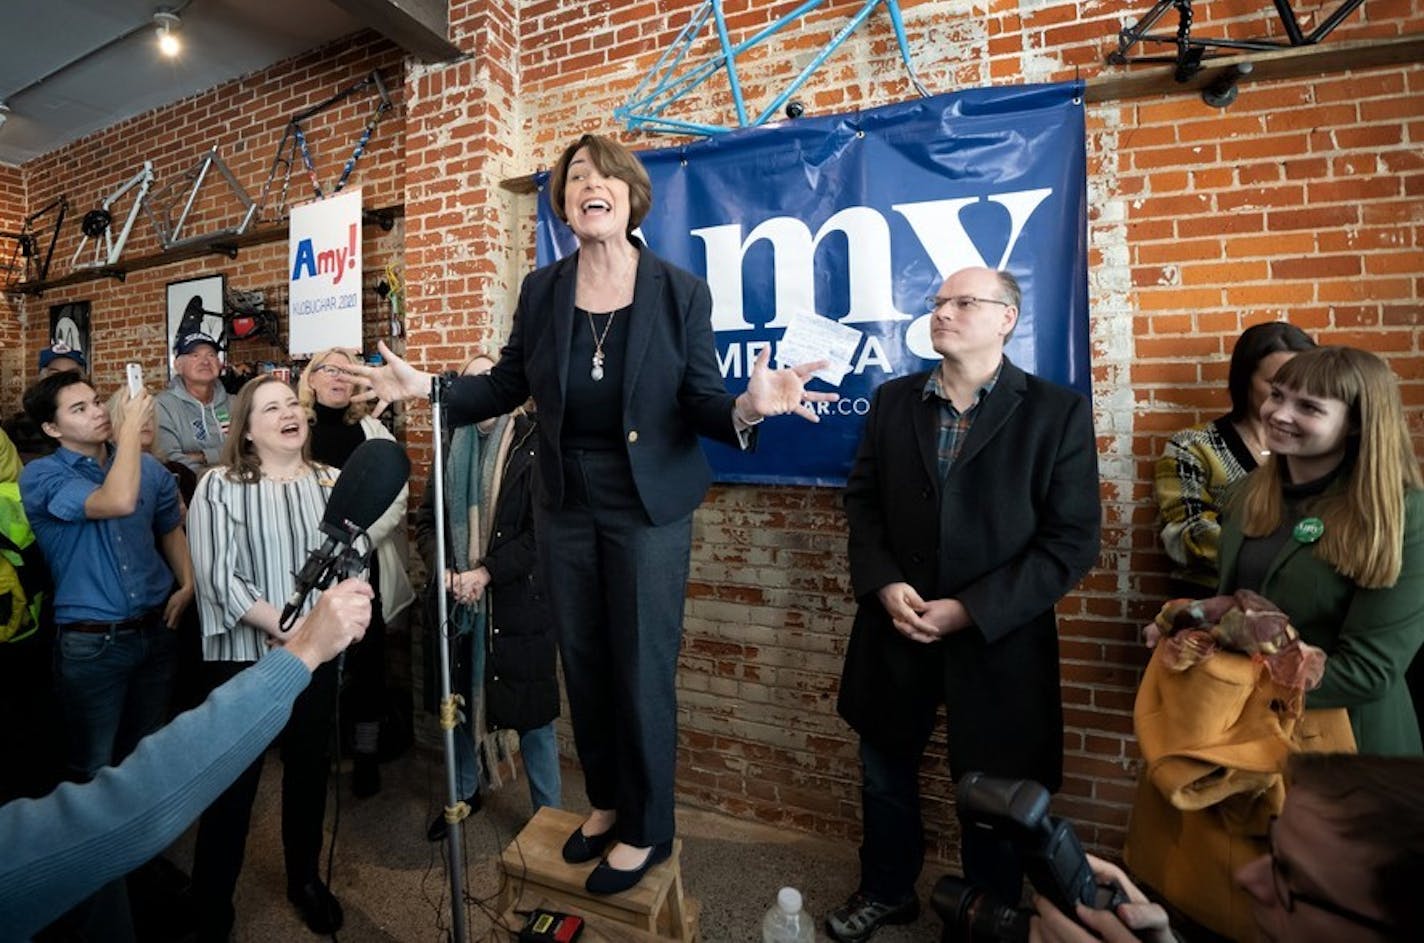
370 480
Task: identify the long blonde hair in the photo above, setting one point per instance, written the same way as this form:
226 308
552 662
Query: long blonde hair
1364 520
115 406
306 394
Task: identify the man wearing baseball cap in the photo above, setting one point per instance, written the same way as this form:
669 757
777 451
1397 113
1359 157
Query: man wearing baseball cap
192 414
59 357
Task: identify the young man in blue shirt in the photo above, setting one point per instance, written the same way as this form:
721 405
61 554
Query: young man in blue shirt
101 513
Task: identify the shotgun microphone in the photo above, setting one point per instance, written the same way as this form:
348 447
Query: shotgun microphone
371 479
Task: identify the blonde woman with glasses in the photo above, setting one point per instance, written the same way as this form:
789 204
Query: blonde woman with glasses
338 426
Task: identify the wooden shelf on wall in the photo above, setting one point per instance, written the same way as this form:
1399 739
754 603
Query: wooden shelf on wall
229 246
1148 79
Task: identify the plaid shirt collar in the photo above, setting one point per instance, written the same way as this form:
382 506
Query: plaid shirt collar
933 389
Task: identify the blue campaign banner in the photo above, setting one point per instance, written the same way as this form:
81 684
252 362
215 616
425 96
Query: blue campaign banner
858 218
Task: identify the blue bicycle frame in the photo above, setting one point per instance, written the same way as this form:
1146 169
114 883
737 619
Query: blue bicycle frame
663 85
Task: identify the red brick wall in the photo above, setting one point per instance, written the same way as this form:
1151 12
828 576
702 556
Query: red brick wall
1302 201
12 212
245 119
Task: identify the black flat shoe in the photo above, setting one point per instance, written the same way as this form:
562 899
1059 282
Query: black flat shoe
319 908
581 848
439 828
607 879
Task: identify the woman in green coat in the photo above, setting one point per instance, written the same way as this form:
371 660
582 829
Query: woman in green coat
1331 529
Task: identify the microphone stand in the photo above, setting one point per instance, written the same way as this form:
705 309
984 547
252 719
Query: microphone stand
455 810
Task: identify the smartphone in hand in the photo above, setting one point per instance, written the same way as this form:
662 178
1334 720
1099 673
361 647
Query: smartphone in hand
135 374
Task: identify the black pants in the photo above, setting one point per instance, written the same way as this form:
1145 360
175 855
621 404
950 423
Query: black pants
222 830
892 849
616 584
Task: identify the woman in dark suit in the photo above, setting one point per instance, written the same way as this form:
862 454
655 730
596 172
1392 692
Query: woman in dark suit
615 345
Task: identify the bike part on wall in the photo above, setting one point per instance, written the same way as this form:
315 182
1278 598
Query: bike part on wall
294 143
1192 51
28 259
665 84
246 317
161 204
98 224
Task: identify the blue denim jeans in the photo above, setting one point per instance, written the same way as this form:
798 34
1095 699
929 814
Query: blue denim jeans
114 689
540 749
541 764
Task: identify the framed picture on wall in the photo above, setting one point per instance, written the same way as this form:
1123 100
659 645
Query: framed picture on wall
69 324
206 292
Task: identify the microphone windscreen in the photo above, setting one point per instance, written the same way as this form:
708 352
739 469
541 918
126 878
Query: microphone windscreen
370 480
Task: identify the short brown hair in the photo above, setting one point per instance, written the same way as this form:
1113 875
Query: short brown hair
1378 802
612 160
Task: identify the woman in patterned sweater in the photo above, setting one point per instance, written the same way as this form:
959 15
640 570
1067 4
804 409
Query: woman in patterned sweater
1203 461
253 522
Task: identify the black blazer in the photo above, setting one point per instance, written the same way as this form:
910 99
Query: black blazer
1013 527
672 388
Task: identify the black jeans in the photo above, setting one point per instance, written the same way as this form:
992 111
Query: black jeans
892 849
222 830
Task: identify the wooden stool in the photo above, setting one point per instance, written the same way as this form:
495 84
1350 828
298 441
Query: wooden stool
534 870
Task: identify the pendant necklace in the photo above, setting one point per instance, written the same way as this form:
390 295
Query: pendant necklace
598 337
597 372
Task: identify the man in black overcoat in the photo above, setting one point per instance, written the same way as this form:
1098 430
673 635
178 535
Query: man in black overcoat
973 508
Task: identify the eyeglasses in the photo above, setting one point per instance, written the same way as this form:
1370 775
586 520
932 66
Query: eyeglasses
330 369
963 303
1289 897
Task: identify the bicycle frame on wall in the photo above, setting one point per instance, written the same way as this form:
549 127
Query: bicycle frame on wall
26 261
664 85
161 204
1191 51
294 143
97 224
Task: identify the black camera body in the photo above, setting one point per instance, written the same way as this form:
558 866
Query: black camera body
1017 810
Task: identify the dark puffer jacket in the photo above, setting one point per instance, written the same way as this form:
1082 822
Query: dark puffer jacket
521 688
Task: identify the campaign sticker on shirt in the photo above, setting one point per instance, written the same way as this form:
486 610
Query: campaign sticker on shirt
224 418
1309 530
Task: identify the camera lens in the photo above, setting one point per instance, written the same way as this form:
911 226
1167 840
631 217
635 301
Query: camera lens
972 915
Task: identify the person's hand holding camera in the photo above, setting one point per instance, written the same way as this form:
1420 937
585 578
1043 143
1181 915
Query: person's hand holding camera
1137 920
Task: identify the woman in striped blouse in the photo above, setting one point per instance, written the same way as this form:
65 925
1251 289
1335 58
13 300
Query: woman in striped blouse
253 522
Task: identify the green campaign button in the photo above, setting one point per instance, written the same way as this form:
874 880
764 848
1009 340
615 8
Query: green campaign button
1309 530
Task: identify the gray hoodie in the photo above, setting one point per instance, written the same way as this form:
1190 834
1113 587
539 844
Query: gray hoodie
186 425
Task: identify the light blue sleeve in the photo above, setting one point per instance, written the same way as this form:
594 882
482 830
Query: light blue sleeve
60 849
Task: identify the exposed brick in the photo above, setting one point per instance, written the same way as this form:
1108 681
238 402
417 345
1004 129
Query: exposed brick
1301 201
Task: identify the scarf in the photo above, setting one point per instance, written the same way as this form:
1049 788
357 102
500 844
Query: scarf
476 466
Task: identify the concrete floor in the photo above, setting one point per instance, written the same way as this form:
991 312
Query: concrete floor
393 886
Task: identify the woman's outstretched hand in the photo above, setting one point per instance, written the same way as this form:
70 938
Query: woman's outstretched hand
392 382
778 392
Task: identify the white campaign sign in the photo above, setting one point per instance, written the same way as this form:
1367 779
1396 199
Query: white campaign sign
324 262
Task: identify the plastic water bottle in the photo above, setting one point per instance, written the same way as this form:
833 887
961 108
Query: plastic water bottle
786 922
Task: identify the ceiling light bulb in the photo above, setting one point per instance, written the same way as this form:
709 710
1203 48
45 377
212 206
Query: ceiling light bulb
167 41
